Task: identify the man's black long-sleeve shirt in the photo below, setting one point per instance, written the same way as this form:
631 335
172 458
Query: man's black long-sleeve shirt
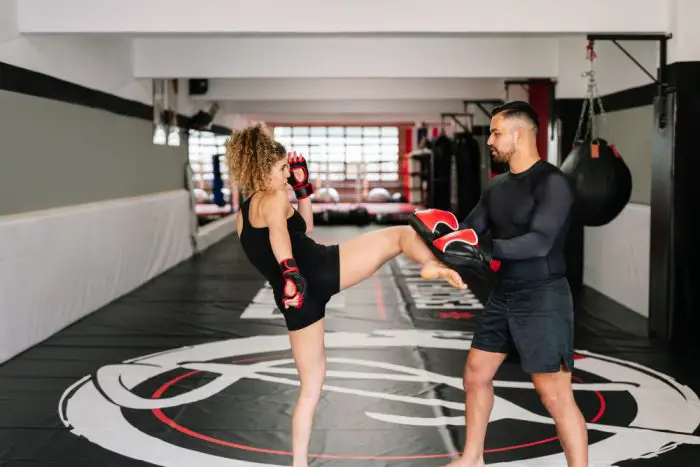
527 215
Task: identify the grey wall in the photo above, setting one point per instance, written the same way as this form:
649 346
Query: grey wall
630 131
56 154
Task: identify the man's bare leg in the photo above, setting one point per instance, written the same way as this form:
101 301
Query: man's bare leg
479 371
557 395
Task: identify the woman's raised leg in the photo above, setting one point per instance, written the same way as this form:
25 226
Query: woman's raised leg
308 350
362 256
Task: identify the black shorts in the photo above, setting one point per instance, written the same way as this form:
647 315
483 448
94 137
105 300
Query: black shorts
535 319
323 278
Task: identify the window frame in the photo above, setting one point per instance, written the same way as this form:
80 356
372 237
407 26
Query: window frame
353 146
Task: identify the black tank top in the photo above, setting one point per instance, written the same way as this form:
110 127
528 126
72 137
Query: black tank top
309 255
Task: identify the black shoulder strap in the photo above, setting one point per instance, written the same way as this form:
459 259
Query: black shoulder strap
245 210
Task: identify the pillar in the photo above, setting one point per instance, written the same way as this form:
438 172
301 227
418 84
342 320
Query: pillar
674 295
541 95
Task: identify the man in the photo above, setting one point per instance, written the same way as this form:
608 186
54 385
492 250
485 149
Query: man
530 309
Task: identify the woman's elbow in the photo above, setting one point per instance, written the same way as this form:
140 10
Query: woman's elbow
309 221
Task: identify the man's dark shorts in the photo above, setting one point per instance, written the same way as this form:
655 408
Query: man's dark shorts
536 319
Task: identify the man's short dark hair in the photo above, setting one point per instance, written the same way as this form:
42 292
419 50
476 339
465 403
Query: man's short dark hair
517 109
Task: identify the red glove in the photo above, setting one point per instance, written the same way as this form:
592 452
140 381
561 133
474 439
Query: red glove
460 245
299 178
460 251
432 224
294 283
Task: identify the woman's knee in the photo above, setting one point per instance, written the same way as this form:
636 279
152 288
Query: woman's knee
396 235
312 387
405 235
310 393
405 231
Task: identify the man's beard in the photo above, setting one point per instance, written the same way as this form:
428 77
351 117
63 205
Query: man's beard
504 156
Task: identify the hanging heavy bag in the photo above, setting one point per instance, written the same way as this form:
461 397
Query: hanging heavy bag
468 173
601 180
442 166
217 183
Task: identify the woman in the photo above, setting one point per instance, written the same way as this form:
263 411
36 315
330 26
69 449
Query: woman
303 274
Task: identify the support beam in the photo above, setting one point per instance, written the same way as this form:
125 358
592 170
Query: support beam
480 103
453 116
663 87
217 17
345 119
346 107
323 89
346 57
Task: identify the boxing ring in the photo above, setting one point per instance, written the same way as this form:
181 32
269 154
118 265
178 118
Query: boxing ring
362 213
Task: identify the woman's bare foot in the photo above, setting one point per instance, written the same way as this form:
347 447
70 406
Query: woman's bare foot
433 270
465 463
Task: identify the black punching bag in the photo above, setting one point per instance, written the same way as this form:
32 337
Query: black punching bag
442 168
601 180
468 162
217 183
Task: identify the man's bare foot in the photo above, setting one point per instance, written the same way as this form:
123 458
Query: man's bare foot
433 270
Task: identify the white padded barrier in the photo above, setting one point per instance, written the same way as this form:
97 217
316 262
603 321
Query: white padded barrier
215 231
616 258
57 266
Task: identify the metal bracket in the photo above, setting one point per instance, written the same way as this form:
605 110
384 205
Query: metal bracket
454 116
514 82
480 103
663 87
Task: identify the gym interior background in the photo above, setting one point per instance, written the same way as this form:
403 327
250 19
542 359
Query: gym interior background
113 138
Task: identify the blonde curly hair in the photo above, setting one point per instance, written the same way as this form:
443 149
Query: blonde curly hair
251 153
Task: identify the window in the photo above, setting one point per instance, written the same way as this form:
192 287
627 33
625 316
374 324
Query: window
345 154
204 146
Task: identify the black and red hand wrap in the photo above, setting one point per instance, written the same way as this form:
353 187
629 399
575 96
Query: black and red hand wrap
294 283
299 178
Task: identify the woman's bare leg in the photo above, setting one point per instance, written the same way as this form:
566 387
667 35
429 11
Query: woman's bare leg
308 350
364 255
359 258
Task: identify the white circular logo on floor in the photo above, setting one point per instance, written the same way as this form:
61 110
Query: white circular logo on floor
666 413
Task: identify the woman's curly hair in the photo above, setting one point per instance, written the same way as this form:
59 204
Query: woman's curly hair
251 153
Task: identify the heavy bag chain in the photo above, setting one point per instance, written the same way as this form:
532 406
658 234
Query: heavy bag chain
592 96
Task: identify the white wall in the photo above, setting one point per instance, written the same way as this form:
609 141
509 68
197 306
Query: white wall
613 70
616 258
617 255
683 18
101 62
98 62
